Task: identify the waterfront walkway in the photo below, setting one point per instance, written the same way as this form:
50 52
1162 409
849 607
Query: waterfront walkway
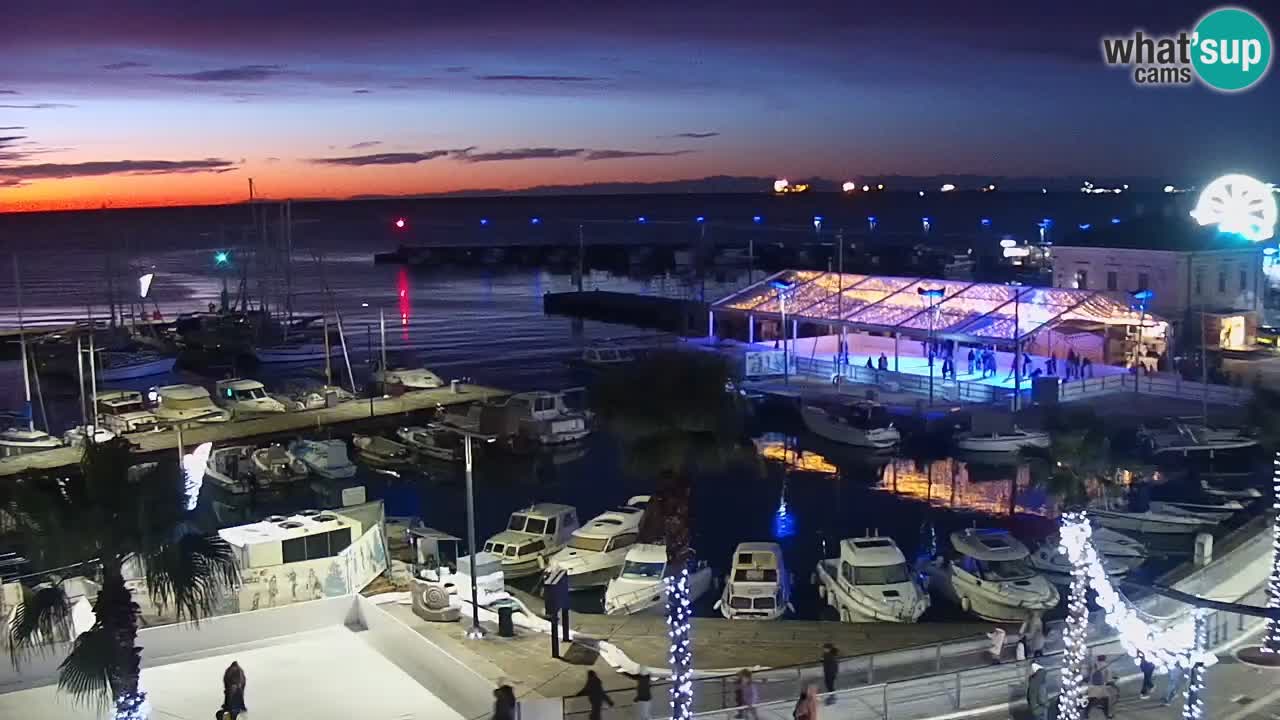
266 425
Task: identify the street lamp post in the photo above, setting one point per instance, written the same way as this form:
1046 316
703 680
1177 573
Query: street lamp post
783 289
475 632
1142 297
931 295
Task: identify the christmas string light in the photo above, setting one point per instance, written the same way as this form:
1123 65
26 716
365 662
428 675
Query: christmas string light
1073 700
681 651
1193 707
1271 641
133 706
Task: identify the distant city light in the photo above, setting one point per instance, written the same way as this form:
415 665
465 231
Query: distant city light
924 224
866 188
849 186
948 187
1085 226
640 219
484 221
757 219
222 257
989 188
1115 221
986 222
921 193
780 185
880 186
400 222
535 221
1008 243
700 219
1170 188
1044 191
1240 205
1016 252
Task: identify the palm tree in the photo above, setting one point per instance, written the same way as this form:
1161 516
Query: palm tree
109 515
1076 460
1263 413
675 414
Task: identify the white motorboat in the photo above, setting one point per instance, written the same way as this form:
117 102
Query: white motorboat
123 411
986 573
408 378
1216 512
381 452
326 458
532 536
17 441
275 465
1150 522
116 366
228 468
596 550
546 417
640 587
246 398
858 423
1008 441
871 582
1054 563
1187 439
300 351
79 435
1246 494
312 398
433 442
758 586
185 404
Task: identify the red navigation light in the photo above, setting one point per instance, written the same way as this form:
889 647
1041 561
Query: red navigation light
400 223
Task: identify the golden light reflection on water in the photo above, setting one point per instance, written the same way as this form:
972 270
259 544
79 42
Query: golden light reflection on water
793 458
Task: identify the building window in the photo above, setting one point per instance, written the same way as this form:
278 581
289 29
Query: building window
1222 281
1244 280
1112 282
1144 281
1082 279
1199 282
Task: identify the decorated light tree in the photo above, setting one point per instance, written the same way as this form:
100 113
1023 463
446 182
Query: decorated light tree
1072 698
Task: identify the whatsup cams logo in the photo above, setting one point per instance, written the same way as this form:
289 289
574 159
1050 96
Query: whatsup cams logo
1229 50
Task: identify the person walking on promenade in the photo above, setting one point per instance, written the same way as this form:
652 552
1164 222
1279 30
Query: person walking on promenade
504 703
745 695
1038 692
807 705
1176 673
1102 686
972 358
233 684
830 669
644 694
1148 669
996 650
594 692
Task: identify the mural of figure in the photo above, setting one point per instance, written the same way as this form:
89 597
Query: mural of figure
293 583
256 598
272 591
334 583
313 584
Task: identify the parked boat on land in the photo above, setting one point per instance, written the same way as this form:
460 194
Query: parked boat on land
640 586
1009 441
381 452
859 423
871 582
532 536
326 458
596 550
987 573
758 586
432 442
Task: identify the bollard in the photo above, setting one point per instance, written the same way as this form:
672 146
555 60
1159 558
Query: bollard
455 387
938 659
506 626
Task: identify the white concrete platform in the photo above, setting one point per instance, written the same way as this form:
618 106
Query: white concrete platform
326 674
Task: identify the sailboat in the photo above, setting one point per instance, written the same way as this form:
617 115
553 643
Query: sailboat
18 441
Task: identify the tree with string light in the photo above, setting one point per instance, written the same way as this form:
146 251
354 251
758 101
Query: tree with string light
93 523
676 414
1263 413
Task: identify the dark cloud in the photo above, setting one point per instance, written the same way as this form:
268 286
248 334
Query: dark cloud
457 69
538 78
624 154
13 127
243 73
538 153
364 144
126 65
10 140
11 182
272 160
36 106
696 135
403 158
9 92
361 91
113 167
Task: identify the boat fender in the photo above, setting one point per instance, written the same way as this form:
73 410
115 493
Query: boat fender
822 592
813 579
965 605
716 606
791 608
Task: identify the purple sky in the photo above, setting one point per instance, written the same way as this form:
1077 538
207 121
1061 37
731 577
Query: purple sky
140 102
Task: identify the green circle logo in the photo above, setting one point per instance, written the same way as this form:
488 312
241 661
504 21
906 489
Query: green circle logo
1231 49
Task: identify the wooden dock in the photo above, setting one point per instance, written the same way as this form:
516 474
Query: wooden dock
244 430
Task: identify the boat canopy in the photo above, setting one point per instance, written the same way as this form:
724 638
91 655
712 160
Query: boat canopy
871 552
967 311
988 545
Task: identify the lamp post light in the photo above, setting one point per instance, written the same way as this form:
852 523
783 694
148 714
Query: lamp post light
783 289
932 296
1141 297
475 632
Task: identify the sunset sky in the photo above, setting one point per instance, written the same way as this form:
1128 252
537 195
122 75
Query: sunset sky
141 103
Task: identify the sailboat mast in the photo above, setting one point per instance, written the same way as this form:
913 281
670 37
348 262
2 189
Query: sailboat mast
22 341
84 413
328 354
382 333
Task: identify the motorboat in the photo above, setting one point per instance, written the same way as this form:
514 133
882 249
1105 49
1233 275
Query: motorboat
1187 439
306 350
987 573
433 442
17 441
228 468
275 465
408 378
603 357
758 586
123 411
326 458
858 423
1150 521
80 436
115 366
185 404
1245 493
1216 512
1054 563
546 418
871 582
381 452
1007 441
532 536
312 398
641 587
596 550
246 398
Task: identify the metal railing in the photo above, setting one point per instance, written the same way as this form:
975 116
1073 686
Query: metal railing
951 390
1158 384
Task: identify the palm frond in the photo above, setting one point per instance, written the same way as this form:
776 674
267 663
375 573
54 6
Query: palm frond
85 673
193 573
41 618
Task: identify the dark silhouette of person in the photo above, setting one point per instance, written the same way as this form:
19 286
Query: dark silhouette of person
594 692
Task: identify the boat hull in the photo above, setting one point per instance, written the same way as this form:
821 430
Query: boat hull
301 353
158 366
1001 445
879 439
1146 525
852 608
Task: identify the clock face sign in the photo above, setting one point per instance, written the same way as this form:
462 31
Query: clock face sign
1238 204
